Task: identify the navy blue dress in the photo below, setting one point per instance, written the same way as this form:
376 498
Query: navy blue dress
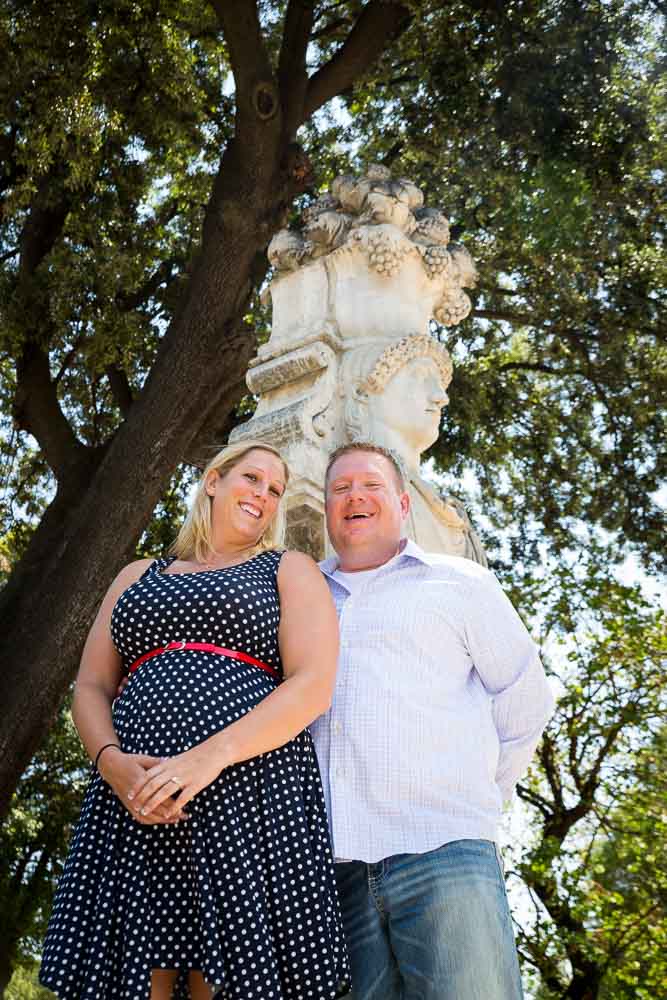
243 890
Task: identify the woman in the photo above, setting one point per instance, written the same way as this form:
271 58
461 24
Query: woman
234 893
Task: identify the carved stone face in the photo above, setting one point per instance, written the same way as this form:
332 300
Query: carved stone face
410 405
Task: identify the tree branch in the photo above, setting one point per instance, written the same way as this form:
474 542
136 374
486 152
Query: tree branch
522 319
37 410
532 366
378 24
535 800
14 252
292 72
130 301
258 124
43 226
626 937
120 388
240 25
331 28
547 758
591 783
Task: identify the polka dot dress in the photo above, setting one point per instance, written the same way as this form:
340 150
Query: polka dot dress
244 889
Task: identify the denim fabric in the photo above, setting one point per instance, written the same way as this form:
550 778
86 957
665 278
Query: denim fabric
433 926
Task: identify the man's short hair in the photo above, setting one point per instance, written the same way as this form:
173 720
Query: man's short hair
375 449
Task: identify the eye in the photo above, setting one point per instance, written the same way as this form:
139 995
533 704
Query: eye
251 476
276 492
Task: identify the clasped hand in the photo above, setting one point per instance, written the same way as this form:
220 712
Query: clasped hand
172 782
124 772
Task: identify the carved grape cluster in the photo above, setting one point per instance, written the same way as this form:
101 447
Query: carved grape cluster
384 257
452 308
436 259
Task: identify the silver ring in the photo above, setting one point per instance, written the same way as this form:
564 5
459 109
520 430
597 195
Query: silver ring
176 782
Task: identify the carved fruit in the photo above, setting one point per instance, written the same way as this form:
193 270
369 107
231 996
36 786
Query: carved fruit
437 260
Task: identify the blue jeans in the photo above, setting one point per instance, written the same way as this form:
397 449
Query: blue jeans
432 926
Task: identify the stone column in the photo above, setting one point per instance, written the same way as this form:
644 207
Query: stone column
357 285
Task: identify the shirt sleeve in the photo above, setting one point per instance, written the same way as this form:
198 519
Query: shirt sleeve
508 663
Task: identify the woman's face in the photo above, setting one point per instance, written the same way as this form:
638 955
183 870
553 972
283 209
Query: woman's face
411 403
245 499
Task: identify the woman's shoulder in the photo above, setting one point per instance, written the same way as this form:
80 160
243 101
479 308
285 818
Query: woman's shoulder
134 570
294 559
128 575
299 565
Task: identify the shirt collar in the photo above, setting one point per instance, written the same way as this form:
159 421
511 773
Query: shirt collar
409 550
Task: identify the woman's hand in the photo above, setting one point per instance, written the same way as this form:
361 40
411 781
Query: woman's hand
186 774
123 772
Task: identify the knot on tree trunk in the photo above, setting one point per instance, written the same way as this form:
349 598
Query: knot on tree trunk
265 100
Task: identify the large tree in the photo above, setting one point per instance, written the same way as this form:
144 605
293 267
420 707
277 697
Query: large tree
149 153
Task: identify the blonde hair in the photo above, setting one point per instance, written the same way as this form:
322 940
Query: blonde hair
195 539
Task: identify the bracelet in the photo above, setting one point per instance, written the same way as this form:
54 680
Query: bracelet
102 749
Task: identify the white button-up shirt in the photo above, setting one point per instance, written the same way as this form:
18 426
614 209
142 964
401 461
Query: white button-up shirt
439 703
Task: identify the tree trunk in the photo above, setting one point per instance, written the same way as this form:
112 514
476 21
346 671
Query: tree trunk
6 965
585 984
49 606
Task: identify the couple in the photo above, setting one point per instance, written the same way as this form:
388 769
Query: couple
203 852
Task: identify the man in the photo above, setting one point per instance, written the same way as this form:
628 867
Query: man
439 704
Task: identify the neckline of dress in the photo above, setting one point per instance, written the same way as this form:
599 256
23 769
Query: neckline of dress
204 572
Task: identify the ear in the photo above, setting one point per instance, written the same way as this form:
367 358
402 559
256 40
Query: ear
405 505
211 481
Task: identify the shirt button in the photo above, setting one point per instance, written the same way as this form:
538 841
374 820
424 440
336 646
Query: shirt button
337 728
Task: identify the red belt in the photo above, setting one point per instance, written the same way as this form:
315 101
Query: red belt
206 647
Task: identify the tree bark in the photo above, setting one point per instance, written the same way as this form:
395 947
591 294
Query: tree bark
6 965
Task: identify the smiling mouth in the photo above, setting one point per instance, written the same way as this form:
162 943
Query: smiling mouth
360 516
249 509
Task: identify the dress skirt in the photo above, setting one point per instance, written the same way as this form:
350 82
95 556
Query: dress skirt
242 890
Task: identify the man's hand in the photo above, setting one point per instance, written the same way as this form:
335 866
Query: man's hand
123 771
123 684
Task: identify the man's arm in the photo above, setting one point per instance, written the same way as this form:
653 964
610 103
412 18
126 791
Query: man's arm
508 663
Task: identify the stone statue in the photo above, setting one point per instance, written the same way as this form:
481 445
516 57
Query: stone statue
369 259
394 395
367 262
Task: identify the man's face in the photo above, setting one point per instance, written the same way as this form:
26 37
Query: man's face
365 507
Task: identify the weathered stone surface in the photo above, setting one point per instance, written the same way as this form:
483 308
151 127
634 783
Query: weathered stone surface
394 394
350 354
370 260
